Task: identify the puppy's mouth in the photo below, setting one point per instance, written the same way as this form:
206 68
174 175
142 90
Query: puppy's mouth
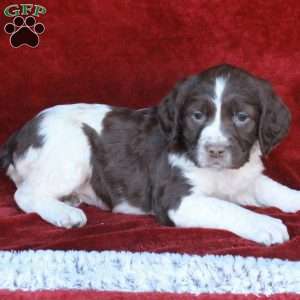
224 162
221 164
216 165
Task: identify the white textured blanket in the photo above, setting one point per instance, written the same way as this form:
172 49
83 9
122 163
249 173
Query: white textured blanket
125 271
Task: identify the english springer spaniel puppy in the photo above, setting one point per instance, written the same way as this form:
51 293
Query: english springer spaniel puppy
191 161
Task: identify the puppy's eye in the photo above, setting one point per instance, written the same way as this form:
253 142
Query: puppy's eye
241 118
198 116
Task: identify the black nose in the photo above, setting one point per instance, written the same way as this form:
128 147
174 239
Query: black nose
215 150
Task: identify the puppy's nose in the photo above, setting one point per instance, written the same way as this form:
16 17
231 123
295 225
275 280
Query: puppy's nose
215 150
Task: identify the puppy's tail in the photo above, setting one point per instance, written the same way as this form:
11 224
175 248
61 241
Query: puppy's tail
6 152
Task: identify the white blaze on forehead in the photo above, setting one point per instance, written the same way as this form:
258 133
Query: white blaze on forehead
213 133
219 89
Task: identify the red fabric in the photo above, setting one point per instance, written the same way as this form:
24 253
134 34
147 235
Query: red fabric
92 295
131 53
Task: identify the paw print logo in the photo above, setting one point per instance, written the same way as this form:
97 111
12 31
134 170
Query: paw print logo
24 31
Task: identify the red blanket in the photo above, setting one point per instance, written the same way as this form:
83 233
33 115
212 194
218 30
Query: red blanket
92 295
130 53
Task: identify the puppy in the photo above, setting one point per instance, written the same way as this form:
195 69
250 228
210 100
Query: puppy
191 161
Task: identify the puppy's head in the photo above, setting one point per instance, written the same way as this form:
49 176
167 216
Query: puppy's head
218 115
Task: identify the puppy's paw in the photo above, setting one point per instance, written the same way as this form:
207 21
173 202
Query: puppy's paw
67 217
72 217
268 231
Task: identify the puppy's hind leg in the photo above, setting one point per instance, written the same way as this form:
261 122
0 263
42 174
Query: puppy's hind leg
49 209
54 172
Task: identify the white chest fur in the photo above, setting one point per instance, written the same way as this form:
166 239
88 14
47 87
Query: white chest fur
227 184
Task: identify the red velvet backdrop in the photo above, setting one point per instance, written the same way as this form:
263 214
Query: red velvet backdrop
130 53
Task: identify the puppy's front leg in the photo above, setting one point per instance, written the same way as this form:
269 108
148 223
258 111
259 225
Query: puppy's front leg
271 193
197 210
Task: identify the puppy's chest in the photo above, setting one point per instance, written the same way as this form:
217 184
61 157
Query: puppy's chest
221 184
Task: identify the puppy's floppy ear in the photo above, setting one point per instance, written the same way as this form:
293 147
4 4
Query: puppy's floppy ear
169 112
274 120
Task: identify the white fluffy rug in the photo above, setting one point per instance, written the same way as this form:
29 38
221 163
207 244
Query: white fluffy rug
125 271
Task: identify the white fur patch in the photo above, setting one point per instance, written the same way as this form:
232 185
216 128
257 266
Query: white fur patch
271 193
125 208
61 166
197 210
227 184
212 133
219 89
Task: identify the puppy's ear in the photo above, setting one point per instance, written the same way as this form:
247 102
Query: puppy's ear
169 112
274 120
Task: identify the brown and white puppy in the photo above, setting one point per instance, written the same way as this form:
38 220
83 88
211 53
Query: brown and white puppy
191 161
